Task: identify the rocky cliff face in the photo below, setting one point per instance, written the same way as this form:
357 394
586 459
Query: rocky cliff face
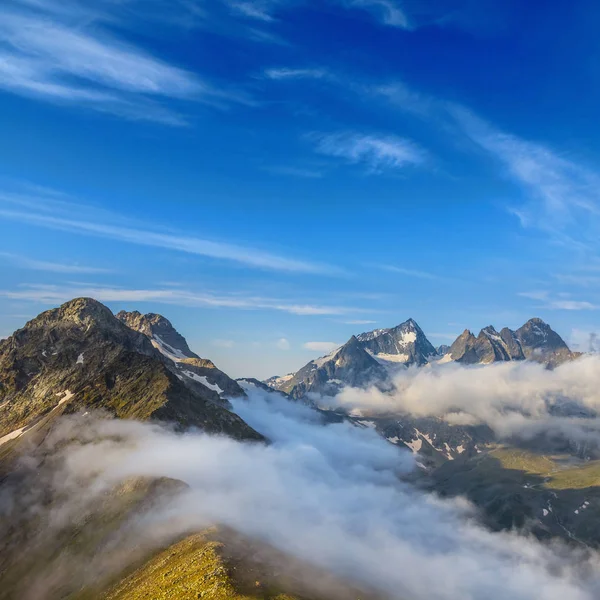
367 359
193 370
535 340
349 365
405 344
487 347
79 356
542 344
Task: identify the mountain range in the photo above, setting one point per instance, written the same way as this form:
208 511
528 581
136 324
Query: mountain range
80 357
372 358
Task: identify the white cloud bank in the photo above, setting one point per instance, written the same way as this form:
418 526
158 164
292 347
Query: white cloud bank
329 495
513 398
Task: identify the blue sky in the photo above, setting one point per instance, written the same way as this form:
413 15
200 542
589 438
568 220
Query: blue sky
274 176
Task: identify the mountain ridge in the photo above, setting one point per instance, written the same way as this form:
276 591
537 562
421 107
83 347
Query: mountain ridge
80 356
406 345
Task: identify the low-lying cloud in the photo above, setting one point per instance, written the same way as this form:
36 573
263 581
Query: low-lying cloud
513 398
327 494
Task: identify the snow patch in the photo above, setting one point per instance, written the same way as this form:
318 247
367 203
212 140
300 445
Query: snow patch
319 362
415 445
275 382
66 395
409 337
201 379
383 358
445 359
165 349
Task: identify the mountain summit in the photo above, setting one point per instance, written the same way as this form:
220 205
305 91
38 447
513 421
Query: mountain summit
372 358
535 340
80 356
406 344
164 337
349 365
367 359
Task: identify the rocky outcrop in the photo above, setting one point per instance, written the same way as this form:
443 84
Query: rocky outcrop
535 340
349 365
193 370
542 344
79 356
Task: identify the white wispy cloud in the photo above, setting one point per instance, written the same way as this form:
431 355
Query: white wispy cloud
320 346
48 211
259 10
47 54
408 272
40 265
377 152
563 193
284 73
571 305
57 294
283 344
558 302
359 322
389 12
560 193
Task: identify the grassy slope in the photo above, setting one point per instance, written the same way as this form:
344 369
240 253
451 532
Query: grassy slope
552 496
193 568
556 475
222 565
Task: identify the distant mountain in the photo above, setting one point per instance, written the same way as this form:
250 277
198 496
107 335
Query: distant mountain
80 356
277 382
405 344
542 344
170 343
250 383
349 365
535 340
432 438
442 349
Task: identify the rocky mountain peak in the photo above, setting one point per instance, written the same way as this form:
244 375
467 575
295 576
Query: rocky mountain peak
462 348
161 332
404 344
81 353
535 340
82 311
489 330
541 343
196 372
